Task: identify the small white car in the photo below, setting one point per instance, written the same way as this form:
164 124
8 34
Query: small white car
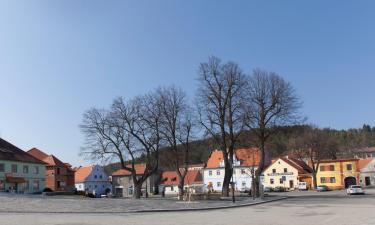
355 190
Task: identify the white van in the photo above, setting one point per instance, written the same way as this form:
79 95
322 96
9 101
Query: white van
303 186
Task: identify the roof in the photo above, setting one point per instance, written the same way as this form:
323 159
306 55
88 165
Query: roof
82 173
51 160
362 163
246 156
171 178
301 166
139 168
12 153
365 150
337 160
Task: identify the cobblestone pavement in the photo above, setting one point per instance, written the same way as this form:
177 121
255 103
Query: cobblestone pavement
307 208
54 204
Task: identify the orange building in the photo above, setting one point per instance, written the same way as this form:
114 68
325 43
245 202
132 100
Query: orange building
339 173
59 175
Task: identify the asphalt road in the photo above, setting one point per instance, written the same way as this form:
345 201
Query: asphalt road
303 209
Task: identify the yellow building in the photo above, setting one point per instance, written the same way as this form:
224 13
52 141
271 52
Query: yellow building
287 173
338 174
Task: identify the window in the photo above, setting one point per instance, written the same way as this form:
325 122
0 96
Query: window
171 188
273 170
331 168
58 171
323 180
14 168
210 173
243 184
25 169
2 168
218 172
100 176
272 181
349 167
36 170
285 170
332 180
96 176
322 168
27 185
218 184
281 181
242 171
36 185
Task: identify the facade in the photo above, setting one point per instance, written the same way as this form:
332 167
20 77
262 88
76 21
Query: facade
93 180
193 182
123 186
245 162
367 172
338 174
59 175
19 171
287 173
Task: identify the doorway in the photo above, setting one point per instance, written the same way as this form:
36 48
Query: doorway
291 184
350 181
367 181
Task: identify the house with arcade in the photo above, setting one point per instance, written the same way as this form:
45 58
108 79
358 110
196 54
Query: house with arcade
59 176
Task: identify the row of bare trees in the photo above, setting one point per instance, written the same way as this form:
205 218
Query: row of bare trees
227 103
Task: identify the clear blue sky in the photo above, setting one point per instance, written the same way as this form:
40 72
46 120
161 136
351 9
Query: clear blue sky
58 58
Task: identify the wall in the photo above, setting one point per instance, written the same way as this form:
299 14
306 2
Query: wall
279 165
338 175
30 176
242 180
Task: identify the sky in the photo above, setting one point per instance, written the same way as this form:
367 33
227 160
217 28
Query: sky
59 58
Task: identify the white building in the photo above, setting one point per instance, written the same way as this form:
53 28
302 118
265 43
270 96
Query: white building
367 172
245 162
92 179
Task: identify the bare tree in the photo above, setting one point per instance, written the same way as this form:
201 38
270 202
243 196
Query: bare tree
271 102
128 132
313 145
220 106
176 128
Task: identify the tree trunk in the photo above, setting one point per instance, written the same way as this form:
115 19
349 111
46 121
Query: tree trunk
137 191
226 182
181 190
315 182
260 168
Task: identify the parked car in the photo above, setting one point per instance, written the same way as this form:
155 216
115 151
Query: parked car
355 190
303 186
322 188
279 189
268 189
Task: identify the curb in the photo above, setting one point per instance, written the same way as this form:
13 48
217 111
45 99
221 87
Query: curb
152 210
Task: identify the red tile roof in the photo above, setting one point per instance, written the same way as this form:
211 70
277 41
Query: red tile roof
51 160
171 178
139 168
246 156
362 163
82 173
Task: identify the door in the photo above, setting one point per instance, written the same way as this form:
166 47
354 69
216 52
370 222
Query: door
350 181
367 181
291 184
